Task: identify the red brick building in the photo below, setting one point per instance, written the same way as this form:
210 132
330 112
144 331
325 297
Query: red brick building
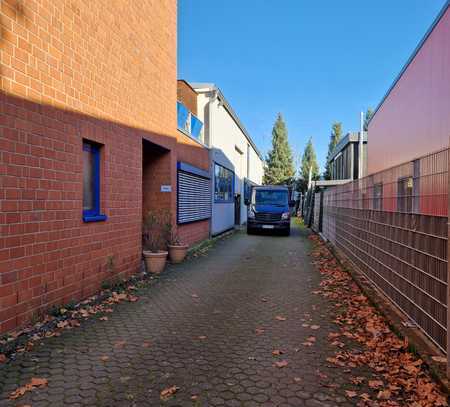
88 144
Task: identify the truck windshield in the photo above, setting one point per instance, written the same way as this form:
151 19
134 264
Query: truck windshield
268 197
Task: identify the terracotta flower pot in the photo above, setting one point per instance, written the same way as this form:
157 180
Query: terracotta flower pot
177 253
155 261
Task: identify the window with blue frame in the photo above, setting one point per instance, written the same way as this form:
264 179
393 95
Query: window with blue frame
91 182
187 122
182 117
223 184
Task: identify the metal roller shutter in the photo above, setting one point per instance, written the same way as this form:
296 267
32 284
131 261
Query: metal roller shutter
194 197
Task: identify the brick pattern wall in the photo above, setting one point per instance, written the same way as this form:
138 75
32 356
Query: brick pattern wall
72 70
48 256
194 232
115 61
187 95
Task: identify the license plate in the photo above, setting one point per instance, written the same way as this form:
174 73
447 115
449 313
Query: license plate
267 226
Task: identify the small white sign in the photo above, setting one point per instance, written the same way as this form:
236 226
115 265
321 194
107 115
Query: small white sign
166 188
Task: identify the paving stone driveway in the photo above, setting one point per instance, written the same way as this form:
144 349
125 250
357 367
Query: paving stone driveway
211 324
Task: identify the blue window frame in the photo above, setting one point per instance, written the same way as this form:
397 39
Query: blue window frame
91 183
223 184
182 116
196 127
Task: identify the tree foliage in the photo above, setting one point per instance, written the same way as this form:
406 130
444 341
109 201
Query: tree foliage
367 118
309 161
279 162
335 137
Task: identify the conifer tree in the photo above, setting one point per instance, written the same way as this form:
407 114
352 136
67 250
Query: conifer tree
309 161
335 137
279 163
367 118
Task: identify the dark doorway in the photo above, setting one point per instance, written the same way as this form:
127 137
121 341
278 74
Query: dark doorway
237 209
155 173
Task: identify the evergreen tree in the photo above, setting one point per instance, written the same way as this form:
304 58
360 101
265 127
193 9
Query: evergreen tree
279 163
335 137
309 161
367 118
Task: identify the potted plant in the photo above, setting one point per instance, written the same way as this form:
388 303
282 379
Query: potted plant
153 242
177 250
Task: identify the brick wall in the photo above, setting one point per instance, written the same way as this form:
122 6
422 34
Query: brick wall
187 95
72 70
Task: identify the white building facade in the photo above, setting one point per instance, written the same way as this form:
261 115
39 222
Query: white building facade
236 163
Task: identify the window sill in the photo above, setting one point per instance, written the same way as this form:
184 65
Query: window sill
94 218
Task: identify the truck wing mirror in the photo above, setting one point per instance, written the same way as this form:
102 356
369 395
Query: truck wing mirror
247 201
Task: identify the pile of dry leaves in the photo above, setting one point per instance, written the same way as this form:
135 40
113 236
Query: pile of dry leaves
399 378
66 318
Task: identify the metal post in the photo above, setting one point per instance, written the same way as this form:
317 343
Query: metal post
360 146
448 279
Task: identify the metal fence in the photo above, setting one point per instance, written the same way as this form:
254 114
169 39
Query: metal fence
393 226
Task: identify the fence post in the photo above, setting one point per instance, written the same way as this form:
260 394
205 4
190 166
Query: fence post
448 264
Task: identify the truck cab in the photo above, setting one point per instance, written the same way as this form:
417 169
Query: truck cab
269 208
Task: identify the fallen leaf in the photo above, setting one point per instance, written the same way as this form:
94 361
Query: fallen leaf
146 344
259 331
439 359
374 384
62 324
297 379
19 392
357 380
281 364
132 298
194 296
365 396
104 358
104 318
384 395
38 382
277 352
280 318
35 382
264 299
2 358
315 327
194 397
351 393
167 393
202 337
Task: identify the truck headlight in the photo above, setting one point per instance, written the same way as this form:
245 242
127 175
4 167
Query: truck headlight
285 216
251 214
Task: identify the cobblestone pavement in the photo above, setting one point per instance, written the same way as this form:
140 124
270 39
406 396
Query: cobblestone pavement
209 327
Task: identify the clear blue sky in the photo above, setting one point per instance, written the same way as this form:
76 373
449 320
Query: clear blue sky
314 61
